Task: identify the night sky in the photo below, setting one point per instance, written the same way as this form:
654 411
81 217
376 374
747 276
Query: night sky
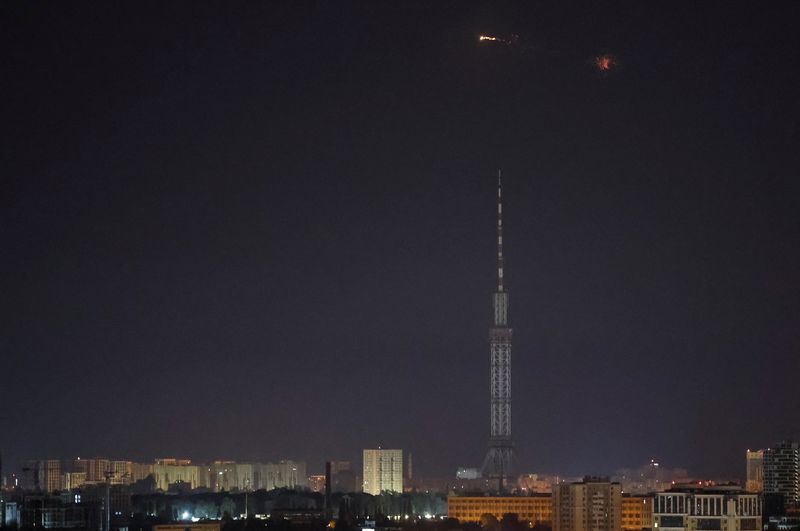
263 231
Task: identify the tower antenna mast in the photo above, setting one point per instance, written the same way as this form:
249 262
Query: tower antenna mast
499 458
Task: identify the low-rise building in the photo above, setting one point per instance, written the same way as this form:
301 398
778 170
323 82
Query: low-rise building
706 508
536 509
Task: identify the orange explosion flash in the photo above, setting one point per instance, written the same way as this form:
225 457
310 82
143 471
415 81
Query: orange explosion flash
488 38
604 63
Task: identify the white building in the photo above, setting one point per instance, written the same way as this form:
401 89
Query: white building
699 508
167 472
223 476
286 474
383 471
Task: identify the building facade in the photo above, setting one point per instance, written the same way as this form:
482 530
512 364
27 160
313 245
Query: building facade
343 477
637 512
246 476
42 475
316 483
52 475
782 471
531 510
168 472
222 476
755 471
714 508
383 471
594 504
120 472
95 468
74 480
140 471
285 474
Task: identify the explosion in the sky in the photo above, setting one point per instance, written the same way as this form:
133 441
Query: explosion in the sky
605 63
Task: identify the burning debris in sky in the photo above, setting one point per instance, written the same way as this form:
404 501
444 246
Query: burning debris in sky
605 63
511 39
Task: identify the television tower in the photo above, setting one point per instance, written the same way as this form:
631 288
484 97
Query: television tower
498 462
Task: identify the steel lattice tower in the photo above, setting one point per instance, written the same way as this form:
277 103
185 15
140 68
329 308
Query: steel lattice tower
499 459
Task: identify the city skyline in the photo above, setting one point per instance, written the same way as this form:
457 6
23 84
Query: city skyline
267 230
641 477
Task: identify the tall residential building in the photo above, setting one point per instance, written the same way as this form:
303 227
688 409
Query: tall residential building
95 468
594 504
693 507
42 475
499 458
246 476
755 471
171 471
52 475
120 472
782 471
31 478
637 512
285 474
383 471
222 476
343 477
139 471
74 480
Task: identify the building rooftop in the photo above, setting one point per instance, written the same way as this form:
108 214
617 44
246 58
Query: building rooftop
699 488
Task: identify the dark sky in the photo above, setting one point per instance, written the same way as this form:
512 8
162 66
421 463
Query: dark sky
261 231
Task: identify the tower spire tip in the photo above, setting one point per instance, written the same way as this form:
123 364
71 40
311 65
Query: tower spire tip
499 231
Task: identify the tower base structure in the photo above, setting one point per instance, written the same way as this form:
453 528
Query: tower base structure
498 464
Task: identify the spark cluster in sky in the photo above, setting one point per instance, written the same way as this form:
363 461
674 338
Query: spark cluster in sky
605 62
